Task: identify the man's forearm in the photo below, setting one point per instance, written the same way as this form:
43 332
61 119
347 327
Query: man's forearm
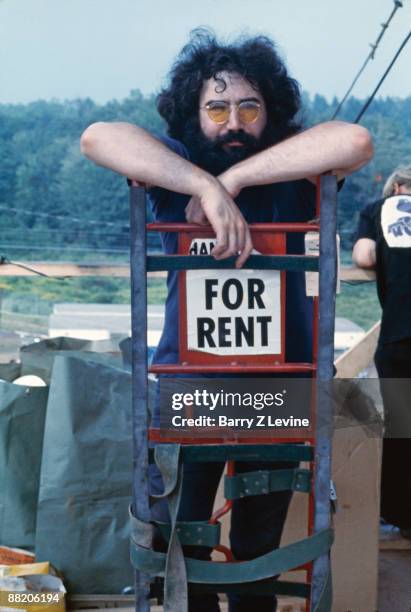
134 153
333 146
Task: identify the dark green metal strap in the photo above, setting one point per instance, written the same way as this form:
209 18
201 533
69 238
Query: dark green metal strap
168 461
262 587
262 482
193 533
244 452
156 263
266 566
141 532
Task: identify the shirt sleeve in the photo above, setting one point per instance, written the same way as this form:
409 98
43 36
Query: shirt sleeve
367 223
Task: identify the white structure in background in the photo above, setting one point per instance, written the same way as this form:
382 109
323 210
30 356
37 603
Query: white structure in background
105 321
101 321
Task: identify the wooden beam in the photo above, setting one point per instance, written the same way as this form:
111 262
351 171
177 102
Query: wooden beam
70 269
359 356
350 273
63 269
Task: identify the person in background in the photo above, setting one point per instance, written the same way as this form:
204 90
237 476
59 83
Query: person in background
383 242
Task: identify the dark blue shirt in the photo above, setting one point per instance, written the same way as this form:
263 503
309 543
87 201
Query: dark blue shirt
290 202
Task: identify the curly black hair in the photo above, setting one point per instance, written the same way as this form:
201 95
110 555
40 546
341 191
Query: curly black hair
256 59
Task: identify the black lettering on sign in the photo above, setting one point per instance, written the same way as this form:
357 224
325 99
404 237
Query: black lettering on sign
233 331
201 248
205 328
264 321
238 293
244 331
232 293
224 331
210 283
255 288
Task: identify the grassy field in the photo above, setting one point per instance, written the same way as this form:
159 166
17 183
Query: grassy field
29 301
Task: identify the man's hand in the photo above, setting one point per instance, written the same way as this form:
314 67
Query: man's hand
232 232
194 211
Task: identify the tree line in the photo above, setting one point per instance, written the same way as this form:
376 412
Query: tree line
55 204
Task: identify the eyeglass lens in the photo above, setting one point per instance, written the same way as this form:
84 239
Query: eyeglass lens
219 112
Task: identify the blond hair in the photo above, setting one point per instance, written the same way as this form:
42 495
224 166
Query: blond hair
401 176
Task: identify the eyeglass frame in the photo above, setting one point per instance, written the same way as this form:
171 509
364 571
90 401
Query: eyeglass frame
229 105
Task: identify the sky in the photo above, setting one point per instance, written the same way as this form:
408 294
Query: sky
102 49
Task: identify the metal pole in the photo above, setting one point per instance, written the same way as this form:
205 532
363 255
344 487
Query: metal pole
327 286
139 375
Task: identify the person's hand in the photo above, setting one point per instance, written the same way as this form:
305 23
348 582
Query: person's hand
232 232
195 213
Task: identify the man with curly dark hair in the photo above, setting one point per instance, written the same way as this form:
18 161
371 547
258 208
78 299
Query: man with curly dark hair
235 153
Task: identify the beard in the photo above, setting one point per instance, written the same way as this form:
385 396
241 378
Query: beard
214 156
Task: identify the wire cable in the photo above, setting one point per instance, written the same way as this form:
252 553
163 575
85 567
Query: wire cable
64 217
5 260
51 247
382 79
398 4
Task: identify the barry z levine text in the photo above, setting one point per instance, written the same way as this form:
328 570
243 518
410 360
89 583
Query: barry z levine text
261 420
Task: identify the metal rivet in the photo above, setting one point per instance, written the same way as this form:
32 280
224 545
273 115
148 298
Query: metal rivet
247 490
200 541
199 529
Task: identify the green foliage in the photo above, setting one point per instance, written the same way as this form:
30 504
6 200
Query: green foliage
359 303
36 295
56 205
61 206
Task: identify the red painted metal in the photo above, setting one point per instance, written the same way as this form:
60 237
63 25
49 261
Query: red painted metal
229 504
159 435
234 368
273 228
221 512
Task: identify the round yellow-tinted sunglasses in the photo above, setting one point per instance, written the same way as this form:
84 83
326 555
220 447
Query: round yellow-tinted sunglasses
219 111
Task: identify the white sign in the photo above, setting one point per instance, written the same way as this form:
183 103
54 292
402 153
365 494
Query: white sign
232 312
312 247
396 221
